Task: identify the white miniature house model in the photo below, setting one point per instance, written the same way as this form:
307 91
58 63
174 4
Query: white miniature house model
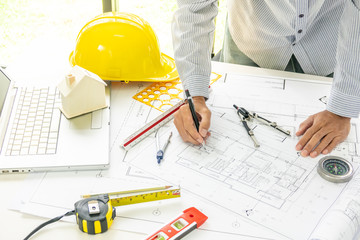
81 92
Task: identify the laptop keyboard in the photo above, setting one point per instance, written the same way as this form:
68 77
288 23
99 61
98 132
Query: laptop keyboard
36 124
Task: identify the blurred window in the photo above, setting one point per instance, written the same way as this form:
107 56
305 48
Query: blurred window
23 21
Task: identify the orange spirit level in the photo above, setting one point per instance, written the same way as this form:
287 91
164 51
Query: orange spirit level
181 226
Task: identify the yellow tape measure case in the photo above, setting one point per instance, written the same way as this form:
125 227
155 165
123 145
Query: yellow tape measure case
95 215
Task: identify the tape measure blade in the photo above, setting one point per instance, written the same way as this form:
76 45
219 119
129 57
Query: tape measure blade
146 197
150 127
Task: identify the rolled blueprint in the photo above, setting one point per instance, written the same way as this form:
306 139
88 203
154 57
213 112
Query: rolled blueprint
342 221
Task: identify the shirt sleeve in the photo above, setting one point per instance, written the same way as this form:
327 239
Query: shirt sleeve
357 3
193 33
344 98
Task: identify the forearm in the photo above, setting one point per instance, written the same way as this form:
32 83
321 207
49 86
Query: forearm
345 93
193 32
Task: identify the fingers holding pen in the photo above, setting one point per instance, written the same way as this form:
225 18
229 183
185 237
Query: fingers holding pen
204 116
185 125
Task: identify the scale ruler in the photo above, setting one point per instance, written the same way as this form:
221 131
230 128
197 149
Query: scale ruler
150 127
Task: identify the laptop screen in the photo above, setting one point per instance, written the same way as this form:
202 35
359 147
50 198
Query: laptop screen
4 86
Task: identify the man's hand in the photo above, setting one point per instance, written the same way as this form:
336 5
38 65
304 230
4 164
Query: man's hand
322 132
185 123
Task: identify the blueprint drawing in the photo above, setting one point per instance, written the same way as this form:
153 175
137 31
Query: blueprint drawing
272 185
45 193
251 193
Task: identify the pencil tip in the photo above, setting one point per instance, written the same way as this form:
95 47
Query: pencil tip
203 145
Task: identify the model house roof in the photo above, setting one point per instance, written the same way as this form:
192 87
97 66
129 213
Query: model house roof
77 75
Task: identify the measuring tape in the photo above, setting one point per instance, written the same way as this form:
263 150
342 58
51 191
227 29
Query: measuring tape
178 228
96 214
151 126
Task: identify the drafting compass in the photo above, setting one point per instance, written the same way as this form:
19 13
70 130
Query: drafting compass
335 169
161 150
246 116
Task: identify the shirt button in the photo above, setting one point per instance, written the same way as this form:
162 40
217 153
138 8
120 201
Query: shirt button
300 31
301 15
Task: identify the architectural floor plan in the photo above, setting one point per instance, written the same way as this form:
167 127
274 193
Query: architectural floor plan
271 185
270 192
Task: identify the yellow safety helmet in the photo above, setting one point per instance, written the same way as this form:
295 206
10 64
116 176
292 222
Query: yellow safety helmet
122 47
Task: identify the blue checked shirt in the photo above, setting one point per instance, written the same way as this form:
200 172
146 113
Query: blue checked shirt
324 36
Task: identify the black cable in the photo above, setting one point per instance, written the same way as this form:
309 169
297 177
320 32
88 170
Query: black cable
48 222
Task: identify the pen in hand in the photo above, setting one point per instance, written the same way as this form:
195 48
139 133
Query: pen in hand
192 110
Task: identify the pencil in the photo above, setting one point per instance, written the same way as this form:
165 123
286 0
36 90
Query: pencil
192 109
128 191
193 113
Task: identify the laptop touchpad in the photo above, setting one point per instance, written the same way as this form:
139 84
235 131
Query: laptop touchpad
96 119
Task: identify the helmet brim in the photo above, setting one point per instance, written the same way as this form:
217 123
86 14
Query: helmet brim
169 72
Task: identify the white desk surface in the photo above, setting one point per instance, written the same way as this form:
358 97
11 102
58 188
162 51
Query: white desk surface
15 225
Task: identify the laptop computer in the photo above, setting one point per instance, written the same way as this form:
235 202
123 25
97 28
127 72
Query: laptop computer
36 136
